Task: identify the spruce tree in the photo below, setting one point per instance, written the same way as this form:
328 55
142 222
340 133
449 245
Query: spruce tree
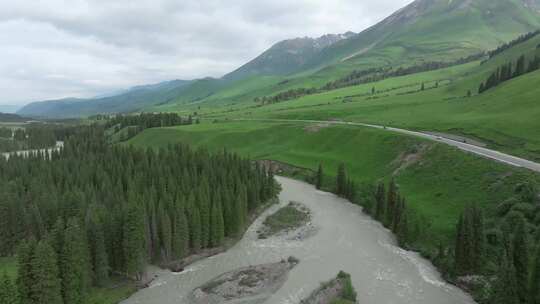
505 290
203 199
534 286
165 234
521 259
25 275
403 228
134 245
181 235
47 285
319 177
100 260
195 229
479 239
391 202
459 250
380 202
217 227
341 180
8 292
74 266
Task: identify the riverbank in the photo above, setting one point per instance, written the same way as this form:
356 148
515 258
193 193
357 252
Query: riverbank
245 285
180 265
287 219
338 290
382 272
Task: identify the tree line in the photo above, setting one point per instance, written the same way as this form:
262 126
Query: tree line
389 207
509 71
505 252
31 137
512 43
148 120
131 125
370 75
378 74
91 210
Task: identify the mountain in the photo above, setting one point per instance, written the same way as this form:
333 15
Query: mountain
10 117
9 108
287 57
134 99
435 30
425 30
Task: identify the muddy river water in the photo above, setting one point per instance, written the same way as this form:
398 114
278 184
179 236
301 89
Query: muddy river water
346 239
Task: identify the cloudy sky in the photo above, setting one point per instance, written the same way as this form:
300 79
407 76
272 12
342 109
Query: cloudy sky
82 48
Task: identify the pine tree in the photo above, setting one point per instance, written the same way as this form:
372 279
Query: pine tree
506 288
100 259
319 177
165 234
403 228
195 229
341 180
479 239
520 67
98 254
181 235
134 241
46 287
25 275
534 287
521 259
459 252
217 226
8 292
380 204
391 202
203 199
74 266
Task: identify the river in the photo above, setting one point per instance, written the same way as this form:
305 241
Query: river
347 239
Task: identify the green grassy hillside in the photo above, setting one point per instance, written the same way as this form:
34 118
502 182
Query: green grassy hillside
437 180
426 30
506 117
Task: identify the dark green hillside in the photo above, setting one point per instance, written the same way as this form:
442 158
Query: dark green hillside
288 57
133 100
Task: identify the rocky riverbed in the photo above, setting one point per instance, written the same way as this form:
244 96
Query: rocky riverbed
292 222
252 284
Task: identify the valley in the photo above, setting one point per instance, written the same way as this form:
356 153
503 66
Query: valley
381 271
404 157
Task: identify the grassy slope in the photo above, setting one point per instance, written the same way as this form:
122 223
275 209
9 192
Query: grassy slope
505 117
441 33
437 188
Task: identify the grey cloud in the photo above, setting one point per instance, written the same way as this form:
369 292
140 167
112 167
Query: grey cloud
60 48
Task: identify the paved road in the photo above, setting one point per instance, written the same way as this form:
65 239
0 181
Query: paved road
488 153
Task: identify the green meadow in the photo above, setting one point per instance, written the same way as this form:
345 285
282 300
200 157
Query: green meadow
438 181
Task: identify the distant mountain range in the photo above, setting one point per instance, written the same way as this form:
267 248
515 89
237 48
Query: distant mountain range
10 117
287 57
9 108
436 30
133 99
